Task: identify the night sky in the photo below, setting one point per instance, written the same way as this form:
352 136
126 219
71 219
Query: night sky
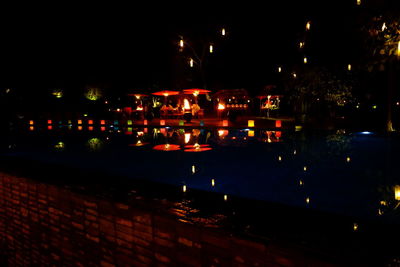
134 47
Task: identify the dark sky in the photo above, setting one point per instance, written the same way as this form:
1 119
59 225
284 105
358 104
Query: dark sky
125 46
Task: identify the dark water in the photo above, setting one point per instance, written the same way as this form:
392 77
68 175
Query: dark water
352 174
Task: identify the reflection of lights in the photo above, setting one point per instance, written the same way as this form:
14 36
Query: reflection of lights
355 226
348 159
212 182
187 137
184 188
397 192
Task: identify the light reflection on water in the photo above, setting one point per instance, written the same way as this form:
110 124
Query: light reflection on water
340 172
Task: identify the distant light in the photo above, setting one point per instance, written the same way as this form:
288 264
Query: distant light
294 75
397 103
212 182
358 2
384 26
308 200
294 152
279 158
193 169
184 188
191 63
181 43
301 44
305 168
250 133
374 106
355 226
305 60
226 197
31 122
250 123
301 182
308 25
398 49
279 69
348 159
223 32
349 67
85 115
211 48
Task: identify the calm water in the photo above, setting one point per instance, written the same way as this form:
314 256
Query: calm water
340 172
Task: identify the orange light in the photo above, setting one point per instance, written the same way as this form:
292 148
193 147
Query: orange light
31 122
49 127
163 131
80 128
225 123
49 122
79 121
31 128
278 134
278 123
250 123
162 122
397 192
90 122
250 133
102 122
221 106
222 133
90 128
145 122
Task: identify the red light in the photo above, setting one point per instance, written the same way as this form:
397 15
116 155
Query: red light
278 134
278 124
49 127
145 122
49 122
90 122
102 128
90 128
162 122
102 122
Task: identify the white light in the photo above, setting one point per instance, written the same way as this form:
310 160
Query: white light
211 48
184 188
305 60
193 169
181 43
223 32
191 62
366 132
279 69
226 197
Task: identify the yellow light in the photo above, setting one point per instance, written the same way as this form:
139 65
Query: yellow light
279 69
31 122
221 106
279 158
305 168
294 75
191 63
349 67
223 32
301 44
184 188
355 226
181 43
193 169
397 192
301 182
80 128
212 182
250 133
308 25
348 159
383 203
398 49
358 2
186 104
250 123
211 48
187 137
308 200
226 197
305 60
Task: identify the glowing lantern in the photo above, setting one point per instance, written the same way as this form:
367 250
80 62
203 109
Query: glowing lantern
102 128
90 128
49 127
49 122
181 43
305 60
90 122
31 122
250 133
102 122
250 123
397 192
79 121
191 63
358 2
187 137
223 32
308 25
278 123
221 106
162 122
225 123
31 128
80 128
184 188
145 122
212 182
211 48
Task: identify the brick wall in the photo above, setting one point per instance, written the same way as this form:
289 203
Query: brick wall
42 224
